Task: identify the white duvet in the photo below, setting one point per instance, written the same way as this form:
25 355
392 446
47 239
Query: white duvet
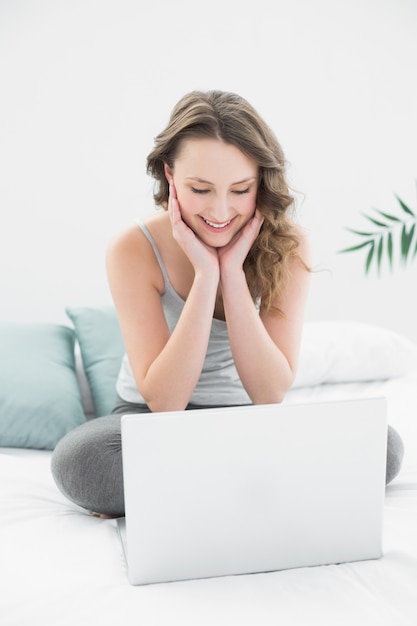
61 566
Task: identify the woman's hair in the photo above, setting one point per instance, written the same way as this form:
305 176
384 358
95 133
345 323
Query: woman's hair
230 118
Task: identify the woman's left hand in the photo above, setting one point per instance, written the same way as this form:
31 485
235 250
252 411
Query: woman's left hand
233 255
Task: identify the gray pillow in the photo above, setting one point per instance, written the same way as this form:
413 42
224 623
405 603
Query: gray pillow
102 349
39 395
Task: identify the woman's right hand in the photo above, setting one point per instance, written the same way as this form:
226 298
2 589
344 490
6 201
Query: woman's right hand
202 257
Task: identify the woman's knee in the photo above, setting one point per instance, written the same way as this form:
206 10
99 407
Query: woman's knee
87 466
395 454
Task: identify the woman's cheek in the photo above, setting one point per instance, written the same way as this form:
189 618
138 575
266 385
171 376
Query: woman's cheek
190 205
250 206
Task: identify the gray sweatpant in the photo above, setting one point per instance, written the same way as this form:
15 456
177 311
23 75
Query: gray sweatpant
87 462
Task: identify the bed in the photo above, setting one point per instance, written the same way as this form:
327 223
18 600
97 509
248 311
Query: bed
62 566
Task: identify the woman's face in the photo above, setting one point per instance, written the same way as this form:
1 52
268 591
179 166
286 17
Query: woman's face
216 188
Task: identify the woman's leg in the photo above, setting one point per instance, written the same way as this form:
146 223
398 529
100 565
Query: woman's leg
395 454
87 466
87 463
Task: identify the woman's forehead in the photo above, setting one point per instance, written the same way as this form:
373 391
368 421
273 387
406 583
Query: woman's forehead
205 158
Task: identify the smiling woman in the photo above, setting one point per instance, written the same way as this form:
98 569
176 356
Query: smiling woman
232 121
210 293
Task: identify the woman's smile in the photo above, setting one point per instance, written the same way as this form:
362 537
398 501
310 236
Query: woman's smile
217 225
216 186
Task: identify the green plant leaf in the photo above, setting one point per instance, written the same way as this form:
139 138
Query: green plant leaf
360 232
369 258
403 243
395 237
388 216
379 253
374 221
389 249
410 238
358 247
412 231
404 207
406 239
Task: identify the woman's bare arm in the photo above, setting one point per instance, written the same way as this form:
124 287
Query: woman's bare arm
166 366
265 347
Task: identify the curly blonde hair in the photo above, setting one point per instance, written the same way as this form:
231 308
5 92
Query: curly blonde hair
230 118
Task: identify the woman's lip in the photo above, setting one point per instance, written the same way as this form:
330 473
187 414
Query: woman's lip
216 226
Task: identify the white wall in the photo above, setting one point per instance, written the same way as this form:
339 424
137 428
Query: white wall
86 85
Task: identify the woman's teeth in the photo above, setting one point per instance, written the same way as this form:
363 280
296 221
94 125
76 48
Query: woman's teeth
223 225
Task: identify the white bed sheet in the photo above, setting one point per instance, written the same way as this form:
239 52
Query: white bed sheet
61 566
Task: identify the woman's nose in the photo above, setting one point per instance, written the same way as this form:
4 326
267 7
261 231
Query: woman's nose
221 211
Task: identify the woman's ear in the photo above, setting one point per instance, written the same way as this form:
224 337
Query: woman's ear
168 172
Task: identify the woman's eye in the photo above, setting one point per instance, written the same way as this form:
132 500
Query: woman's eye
199 190
237 192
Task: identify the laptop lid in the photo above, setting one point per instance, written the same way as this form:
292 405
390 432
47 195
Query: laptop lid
216 492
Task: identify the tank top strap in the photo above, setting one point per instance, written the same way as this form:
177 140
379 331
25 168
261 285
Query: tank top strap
149 237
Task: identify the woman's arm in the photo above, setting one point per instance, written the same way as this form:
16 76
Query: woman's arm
166 366
265 347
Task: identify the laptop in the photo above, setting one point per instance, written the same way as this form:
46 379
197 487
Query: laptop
240 490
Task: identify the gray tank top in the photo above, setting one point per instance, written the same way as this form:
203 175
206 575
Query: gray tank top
219 382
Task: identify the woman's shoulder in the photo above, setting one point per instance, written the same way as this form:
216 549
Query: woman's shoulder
129 242
134 239
130 253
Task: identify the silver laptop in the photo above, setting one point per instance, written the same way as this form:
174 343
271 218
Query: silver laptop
217 492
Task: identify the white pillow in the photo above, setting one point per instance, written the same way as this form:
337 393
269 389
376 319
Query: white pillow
345 351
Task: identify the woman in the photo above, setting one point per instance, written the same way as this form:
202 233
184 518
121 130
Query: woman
226 243
210 292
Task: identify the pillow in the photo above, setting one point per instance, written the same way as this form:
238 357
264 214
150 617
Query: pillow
39 395
344 351
102 349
